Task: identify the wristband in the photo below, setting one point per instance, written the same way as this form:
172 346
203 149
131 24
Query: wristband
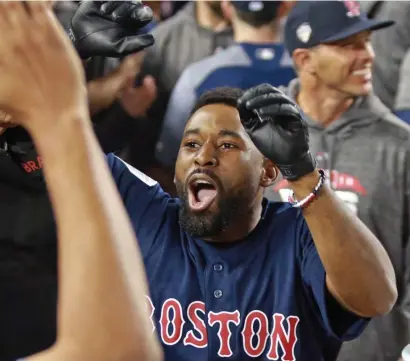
309 199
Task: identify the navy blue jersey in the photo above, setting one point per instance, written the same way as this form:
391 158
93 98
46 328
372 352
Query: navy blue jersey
240 66
261 298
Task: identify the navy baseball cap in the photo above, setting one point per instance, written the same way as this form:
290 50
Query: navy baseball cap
311 23
258 7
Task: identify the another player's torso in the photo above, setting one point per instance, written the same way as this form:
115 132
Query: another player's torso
246 65
28 270
241 303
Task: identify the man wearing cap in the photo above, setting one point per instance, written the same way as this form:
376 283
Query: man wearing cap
364 148
257 56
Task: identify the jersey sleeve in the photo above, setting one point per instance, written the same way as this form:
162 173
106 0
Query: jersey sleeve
337 321
145 201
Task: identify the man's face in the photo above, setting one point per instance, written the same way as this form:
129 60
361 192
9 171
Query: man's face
218 171
346 65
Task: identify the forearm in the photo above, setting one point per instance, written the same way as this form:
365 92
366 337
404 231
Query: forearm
359 272
102 283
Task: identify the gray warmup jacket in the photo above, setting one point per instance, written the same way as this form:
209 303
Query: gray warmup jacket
391 70
179 42
367 151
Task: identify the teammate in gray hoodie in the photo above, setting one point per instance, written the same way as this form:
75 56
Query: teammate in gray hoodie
363 146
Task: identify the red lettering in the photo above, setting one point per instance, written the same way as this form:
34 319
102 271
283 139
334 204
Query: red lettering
248 333
279 337
177 322
224 333
32 165
26 167
353 8
199 325
40 162
151 310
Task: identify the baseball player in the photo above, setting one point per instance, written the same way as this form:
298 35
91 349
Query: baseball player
234 276
102 311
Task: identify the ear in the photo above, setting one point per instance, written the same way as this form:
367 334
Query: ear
269 173
227 10
303 61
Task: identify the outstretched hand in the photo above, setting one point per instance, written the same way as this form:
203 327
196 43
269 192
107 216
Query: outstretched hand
120 85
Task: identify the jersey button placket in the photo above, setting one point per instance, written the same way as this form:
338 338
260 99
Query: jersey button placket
217 301
218 267
218 294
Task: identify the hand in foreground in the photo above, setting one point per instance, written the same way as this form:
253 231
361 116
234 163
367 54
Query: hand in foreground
108 28
276 126
42 76
136 100
120 85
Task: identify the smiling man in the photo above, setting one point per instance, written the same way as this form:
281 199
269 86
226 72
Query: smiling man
361 145
235 276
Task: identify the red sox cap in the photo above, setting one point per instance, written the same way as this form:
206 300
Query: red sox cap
311 23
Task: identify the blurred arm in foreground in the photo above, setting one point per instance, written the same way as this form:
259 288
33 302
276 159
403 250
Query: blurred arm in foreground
100 268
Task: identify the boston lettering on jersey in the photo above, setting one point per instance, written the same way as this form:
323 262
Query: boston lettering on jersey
174 328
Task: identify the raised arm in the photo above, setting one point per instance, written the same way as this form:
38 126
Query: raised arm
101 311
359 273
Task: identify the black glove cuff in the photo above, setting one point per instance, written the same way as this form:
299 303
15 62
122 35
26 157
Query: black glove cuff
303 166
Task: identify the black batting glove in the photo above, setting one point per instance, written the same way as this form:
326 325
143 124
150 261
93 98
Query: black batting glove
109 28
277 128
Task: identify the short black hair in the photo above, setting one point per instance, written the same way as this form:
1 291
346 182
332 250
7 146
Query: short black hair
257 19
222 95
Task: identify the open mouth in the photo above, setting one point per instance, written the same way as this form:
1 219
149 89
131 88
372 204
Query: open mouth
202 193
